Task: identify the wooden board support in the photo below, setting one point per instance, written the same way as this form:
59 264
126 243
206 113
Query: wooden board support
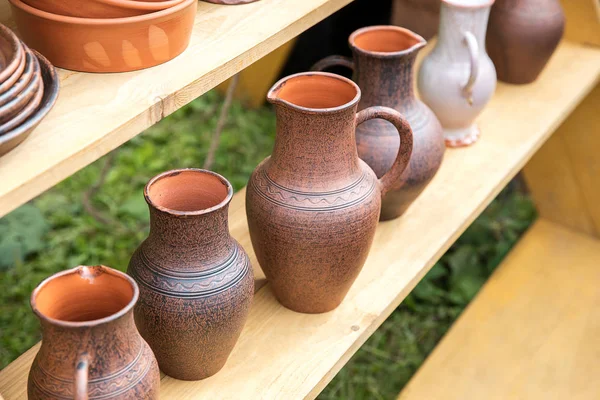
96 113
563 176
582 21
283 354
531 333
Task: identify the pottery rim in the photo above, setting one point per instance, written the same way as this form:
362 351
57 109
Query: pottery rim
419 41
272 95
17 50
470 4
178 213
90 323
100 21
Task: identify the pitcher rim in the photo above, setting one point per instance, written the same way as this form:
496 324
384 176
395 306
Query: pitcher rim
272 98
386 54
178 213
94 322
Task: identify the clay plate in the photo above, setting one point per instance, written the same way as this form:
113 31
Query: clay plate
107 45
32 68
12 51
13 138
23 104
101 8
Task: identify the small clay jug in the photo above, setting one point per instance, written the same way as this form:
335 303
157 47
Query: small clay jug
522 36
313 205
196 282
91 348
384 58
457 79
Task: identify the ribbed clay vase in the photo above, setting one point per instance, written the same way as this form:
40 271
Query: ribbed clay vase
91 348
522 36
457 79
383 64
313 205
196 282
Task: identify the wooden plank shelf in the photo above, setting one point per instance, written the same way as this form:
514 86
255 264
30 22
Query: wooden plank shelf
96 113
283 354
531 333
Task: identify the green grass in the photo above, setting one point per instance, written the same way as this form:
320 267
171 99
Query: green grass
54 232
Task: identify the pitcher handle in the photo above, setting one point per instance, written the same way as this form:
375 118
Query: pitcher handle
81 377
471 41
332 61
388 180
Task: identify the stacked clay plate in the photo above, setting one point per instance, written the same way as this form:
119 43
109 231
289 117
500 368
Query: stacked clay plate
106 35
28 89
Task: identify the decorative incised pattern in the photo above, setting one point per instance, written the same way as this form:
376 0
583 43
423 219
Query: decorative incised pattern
100 388
207 283
285 197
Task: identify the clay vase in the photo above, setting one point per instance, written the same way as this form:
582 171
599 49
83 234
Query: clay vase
457 79
196 282
90 345
522 36
384 58
313 205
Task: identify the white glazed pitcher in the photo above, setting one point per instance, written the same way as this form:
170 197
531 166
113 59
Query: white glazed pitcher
457 79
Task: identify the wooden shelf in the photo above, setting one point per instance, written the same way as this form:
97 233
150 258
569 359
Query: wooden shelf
531 333
282 354
96 113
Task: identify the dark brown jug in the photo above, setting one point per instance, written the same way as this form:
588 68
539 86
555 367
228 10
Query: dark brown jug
522 36
384 58
196 282
90 345
313 205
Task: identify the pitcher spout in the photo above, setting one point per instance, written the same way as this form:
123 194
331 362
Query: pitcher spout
386 41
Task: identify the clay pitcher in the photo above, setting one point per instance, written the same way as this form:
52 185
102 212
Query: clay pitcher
91 348
457 79
313 205
522 35
384 58
196 282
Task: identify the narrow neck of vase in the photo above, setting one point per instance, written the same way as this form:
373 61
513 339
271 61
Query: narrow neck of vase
455 21
189 243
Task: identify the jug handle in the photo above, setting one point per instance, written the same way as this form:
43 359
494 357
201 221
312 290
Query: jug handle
81 377
332 61
388 180
473 47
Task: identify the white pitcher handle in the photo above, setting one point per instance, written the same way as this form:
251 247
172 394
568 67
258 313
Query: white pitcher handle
471 42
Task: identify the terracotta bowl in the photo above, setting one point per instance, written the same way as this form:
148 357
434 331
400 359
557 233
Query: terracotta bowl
101 8
23 103
107 45
31 69
13 138
12 56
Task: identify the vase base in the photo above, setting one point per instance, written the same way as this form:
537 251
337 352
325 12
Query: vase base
461 137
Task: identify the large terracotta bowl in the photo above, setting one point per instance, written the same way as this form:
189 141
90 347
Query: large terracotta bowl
12 57
14 137
101 8
107 45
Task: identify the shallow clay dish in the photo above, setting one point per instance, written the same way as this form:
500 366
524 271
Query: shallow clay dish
107 45
22 107
11 51
101 8
14 77
31 69
13 138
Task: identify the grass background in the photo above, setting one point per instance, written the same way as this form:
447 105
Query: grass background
54 232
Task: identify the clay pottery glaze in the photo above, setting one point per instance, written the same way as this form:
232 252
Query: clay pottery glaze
313 205
522 36
101 8
107 44
384 58
12 138
90 345
196 281
420 16
12 56
457 79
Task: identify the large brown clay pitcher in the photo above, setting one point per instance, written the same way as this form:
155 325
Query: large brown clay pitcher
383 64
91 348
313 205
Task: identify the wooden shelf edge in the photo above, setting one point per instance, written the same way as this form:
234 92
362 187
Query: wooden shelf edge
282 354
96 113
